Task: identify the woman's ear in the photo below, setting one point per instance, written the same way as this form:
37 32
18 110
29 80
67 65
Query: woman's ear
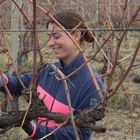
77 35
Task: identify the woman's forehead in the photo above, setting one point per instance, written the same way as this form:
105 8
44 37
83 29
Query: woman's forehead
54 29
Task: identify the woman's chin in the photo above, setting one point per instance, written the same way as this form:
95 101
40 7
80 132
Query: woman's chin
58 56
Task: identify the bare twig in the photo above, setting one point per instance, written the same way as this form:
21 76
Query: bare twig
126 72
2 1
21 10
61 75
119 45
60 126
14 64
91 57
31 25
34 71
120 61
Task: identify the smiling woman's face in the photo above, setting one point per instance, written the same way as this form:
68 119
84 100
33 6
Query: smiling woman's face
62 46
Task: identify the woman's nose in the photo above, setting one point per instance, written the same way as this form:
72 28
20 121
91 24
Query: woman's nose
51 42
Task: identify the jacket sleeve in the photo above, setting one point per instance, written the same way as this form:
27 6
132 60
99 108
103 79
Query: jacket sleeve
14 85
66 133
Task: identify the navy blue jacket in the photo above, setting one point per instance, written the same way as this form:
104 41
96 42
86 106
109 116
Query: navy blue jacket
82 93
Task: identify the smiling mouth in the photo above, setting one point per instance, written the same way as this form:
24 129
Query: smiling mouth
56 50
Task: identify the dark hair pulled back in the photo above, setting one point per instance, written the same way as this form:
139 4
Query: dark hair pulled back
70 19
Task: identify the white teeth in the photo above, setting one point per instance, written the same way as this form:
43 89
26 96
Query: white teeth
56 48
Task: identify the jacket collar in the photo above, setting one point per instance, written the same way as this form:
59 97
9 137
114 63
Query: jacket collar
77 62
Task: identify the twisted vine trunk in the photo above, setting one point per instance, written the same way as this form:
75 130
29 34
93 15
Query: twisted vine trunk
84 119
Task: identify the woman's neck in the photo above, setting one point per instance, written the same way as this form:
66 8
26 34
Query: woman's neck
66 61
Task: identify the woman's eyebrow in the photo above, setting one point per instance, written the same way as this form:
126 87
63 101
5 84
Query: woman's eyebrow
53 33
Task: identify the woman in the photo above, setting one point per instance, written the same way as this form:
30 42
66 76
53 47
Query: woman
82 90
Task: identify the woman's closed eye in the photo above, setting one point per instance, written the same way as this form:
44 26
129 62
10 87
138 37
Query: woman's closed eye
56 35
